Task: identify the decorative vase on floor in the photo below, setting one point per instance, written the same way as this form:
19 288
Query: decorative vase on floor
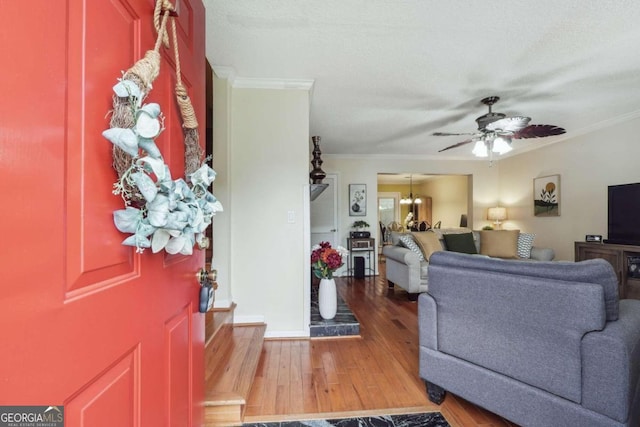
327 298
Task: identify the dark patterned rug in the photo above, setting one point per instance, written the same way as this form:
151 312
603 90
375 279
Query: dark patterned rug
430 419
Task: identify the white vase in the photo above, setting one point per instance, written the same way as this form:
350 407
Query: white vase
327 298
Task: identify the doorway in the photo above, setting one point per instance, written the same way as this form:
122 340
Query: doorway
444 198
324 214
388 212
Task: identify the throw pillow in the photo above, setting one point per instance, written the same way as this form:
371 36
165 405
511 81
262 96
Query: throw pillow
525 243
408 242
428 242
460 243
499 243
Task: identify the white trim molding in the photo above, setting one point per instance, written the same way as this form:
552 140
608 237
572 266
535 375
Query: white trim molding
225 73
286 334
261 83
248 320
222 303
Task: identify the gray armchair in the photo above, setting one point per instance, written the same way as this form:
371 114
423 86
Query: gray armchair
541 344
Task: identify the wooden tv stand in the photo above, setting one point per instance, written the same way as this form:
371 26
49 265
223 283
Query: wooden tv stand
618 256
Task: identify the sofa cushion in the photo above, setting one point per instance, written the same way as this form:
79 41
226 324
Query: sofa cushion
597 271
460 243
499 243
525 243
408 242
542 254
428 242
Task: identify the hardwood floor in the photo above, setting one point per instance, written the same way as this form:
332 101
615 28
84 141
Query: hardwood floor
377 373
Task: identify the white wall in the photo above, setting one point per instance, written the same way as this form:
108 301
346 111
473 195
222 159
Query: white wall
261 144
269 158
587 164
221 260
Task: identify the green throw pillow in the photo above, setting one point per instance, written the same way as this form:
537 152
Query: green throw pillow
460 243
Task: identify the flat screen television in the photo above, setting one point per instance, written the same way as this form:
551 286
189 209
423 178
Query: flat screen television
624 214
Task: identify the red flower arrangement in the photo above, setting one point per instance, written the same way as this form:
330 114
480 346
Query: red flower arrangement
325 259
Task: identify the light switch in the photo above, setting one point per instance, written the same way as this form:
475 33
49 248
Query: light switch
291 217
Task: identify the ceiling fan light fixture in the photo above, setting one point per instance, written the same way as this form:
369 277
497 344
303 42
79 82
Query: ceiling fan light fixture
502 145
480 149
496 130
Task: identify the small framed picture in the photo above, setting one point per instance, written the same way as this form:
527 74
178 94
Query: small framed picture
546 196
357 199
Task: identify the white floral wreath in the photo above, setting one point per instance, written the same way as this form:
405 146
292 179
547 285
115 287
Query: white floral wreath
175 215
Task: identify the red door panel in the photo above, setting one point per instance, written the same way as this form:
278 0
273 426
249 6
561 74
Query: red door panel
177 359
117 387
87 323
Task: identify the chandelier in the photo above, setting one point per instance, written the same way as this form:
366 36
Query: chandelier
410 200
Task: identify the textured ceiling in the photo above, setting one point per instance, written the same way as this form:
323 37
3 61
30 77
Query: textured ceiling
390 73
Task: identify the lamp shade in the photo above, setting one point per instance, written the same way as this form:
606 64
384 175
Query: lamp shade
501 145
480 149
497 214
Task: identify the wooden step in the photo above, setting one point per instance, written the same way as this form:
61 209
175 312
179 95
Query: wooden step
231 363
215 321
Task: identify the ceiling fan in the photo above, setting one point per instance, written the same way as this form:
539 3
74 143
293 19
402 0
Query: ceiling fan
496 130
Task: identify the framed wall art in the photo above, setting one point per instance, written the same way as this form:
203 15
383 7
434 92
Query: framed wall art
357 199
546 196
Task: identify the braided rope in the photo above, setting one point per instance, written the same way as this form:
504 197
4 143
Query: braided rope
157 12
145 70
142 73
193 152
186 108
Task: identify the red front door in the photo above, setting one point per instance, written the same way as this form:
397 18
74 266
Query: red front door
113 335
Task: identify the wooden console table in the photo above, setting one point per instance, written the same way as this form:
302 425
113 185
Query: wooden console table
623 258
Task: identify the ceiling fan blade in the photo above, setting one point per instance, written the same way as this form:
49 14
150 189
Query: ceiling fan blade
538 131
509 124
451 134
456 145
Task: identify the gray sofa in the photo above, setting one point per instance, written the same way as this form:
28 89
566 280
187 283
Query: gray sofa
404 268
541 344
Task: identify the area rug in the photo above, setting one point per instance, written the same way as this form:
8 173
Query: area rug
430 419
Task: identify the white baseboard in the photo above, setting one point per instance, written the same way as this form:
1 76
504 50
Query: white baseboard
239 320
222 303
286 334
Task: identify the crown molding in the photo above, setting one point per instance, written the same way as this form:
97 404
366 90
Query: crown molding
263 83
386 156
224 72
229 74
607 123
